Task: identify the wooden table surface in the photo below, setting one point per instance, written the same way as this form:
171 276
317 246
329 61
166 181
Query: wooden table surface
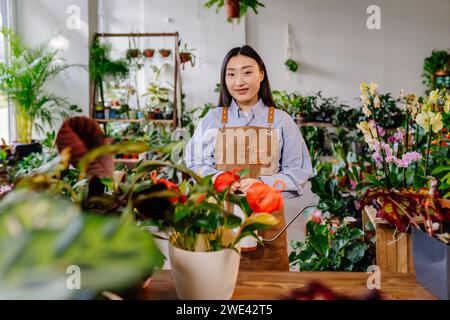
262 285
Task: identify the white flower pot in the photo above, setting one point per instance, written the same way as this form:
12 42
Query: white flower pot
204 275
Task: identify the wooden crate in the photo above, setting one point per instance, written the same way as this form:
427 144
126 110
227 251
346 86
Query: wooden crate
391 256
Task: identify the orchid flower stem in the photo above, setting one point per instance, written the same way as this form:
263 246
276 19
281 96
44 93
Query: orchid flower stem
416 146
386 170
406 147
428 150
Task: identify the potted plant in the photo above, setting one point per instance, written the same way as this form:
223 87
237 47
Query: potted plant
133 51
331 246
401 189
124 111
291 65
187 55
132 114
165 53
235 8
148 53
99 111
435 66
203 236
101 66
24 80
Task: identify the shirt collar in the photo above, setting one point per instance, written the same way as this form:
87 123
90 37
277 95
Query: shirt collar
255 110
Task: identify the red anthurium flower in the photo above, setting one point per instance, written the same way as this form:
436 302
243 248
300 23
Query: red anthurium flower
225 180
169 186
264 198
201 198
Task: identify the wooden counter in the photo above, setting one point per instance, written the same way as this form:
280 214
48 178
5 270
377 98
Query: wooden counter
254 285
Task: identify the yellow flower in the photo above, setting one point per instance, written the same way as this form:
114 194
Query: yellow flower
447 105
366 111
363 87
436 122
373 86
425 119
369 132
364 99
377 102
434 96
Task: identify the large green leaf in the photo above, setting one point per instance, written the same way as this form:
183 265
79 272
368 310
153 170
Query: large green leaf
41 237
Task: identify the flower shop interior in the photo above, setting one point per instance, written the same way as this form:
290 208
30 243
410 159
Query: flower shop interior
100 98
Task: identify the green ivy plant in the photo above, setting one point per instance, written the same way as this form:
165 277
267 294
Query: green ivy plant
330 247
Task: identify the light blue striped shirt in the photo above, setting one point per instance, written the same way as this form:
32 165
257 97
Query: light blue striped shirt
295 166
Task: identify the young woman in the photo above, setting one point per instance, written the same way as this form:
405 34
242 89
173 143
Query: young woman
246 131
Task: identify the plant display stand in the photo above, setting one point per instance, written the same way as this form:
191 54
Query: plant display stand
174 121
392 255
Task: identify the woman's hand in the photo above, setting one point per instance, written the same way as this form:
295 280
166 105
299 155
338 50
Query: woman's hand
246 184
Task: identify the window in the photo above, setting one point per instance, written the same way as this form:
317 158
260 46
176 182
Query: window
5 128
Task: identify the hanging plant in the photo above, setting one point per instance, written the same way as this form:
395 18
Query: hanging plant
438 61
235 8
291 65
165 53
187 55
149 53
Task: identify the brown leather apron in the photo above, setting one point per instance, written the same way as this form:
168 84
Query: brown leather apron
256 149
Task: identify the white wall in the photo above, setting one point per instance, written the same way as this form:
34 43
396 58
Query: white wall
336 50
39 20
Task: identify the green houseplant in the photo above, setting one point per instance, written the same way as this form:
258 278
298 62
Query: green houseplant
203 236
101 66
438 61
187 55
330 246
24 79
291 65
235 8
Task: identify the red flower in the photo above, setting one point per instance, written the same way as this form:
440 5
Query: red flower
201 198
170 186
316 216
263 198
225 180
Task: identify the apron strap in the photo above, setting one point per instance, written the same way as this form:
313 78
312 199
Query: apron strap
271 115
224 118
270 118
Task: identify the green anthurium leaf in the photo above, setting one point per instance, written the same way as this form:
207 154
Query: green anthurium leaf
261 219
357 251
232 221
320 244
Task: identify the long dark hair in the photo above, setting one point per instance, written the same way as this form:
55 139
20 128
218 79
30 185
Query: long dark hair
264 93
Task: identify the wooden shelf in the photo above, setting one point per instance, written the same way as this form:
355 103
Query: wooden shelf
161 121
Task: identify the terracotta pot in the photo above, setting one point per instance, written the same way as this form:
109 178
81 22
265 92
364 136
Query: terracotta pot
133 53
148 53
185 57
165 53
233 9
